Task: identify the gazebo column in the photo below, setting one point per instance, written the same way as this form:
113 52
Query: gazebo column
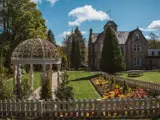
50 75
58 75
19 74
44 74
31 76
15 77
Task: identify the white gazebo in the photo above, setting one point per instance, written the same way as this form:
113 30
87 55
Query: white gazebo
35 51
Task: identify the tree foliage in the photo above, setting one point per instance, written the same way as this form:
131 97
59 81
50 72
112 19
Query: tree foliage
112 59
46 91
64 91
153 43
23 90
68 42
63 59
79 37
21 20
5 91
75 54
50 36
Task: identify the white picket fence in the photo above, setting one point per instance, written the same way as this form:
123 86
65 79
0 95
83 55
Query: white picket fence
155 86
111 108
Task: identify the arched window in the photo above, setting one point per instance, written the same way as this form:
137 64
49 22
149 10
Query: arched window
137 37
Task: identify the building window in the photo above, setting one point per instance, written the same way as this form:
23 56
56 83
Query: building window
137 62
158 53
152 53
137 48
137 37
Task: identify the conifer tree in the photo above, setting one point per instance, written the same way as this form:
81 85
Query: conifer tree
64 91
46 92
75 53
79 37
51 37
112 59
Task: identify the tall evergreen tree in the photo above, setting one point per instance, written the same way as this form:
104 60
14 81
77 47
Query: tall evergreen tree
46 91
75 53
51 37
79 37
112 59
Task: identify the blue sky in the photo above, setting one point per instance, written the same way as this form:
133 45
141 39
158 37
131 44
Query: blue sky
63 15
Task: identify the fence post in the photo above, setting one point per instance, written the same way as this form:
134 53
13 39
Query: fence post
40 108
99 108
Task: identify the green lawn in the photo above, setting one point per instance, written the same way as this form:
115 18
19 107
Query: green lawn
148 76
37 80
82 88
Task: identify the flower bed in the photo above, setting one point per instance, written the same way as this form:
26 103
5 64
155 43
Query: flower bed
110 89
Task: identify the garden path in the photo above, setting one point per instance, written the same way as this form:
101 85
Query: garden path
36 93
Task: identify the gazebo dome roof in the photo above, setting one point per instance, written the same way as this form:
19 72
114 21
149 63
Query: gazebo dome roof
36 51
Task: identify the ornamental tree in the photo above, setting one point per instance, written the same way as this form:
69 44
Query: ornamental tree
112 59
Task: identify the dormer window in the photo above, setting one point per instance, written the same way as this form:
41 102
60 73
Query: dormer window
137 37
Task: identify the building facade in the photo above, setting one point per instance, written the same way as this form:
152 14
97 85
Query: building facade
133 44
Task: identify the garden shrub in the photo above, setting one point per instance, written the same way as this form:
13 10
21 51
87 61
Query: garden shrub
125 87
46 91
64 91
23 91
5 91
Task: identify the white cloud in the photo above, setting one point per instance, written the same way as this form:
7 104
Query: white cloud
147 29
86 13
147 37
154 25
37 1
65 33
52 1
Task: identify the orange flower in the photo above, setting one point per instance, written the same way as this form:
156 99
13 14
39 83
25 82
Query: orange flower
87 114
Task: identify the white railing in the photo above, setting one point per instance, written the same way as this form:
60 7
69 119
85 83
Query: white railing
111 108
155 86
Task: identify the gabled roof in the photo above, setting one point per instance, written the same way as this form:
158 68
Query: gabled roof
94 37
121 36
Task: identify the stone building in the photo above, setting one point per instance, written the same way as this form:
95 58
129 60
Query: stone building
153 59
133 44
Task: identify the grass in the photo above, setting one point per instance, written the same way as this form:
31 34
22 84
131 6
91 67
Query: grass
82 87
37 80
148 76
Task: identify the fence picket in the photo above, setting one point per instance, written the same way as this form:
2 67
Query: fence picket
117 108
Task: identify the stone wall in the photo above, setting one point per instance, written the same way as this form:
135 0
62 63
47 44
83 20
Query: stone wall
131 54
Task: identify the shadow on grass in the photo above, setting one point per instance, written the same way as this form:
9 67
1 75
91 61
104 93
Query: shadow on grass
85 78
